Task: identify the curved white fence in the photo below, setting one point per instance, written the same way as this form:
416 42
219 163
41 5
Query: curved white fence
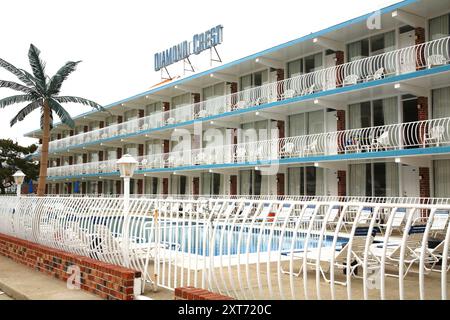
406 60
420 134
252 249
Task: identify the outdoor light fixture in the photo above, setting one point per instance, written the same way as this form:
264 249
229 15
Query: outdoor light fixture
127 164
19 176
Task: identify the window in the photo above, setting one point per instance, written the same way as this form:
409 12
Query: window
295 68
111 153
216 90
441 103
181 100
371 46
440 27
313 63
151 185
306 181
306 123
130 115
154 147
441 178
252 182
256 79
94 157
153 108
377 180
373 113
305 65
109 121
254 131
179 184
358 50
131 149
211 184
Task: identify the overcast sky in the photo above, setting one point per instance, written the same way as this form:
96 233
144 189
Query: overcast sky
116 39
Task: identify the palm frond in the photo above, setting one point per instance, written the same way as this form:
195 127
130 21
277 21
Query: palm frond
37 84
57 80
42 119
25 111
16 99
37 65
61 112
16 71
86 102
15 86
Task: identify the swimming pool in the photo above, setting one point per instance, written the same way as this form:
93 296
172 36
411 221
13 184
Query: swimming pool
225 240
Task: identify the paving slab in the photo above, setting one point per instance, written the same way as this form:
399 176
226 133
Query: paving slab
23 283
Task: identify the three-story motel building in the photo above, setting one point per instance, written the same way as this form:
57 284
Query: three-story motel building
358 109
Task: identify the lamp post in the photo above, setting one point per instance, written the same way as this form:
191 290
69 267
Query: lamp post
19 176
127 164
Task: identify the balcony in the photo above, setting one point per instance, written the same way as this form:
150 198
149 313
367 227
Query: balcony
402 61
413 135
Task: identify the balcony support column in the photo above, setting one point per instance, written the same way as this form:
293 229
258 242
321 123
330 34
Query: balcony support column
420 39
425 186
342 183
422 106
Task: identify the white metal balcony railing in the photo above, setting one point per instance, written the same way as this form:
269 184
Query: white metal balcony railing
406 60
251 249
421 134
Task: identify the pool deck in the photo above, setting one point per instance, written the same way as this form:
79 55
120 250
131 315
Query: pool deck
253 284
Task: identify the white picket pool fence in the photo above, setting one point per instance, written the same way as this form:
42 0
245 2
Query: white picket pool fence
252 248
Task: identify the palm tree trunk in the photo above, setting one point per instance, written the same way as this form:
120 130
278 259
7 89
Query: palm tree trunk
44 151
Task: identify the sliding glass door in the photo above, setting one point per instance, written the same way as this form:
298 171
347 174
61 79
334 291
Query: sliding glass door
440 27
374 180
306 181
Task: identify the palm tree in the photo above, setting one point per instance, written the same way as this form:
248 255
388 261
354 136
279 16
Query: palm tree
41 92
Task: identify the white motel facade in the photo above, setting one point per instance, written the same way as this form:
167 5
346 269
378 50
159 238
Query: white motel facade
359 109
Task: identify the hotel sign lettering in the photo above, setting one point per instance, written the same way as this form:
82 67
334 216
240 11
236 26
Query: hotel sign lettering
200 42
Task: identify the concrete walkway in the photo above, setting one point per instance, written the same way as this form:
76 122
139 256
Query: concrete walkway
23 283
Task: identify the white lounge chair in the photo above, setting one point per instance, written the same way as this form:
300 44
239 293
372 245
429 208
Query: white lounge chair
143 164
382 142
351 80
412 252
203 113
309 90
436 60
326 254
377 75
240 105
288 94
288 149
170 121
311 148
434 136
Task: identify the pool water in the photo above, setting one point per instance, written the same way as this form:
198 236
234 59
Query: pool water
197 239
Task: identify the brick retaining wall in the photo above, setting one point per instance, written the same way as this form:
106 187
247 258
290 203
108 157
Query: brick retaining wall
191 293
105 280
